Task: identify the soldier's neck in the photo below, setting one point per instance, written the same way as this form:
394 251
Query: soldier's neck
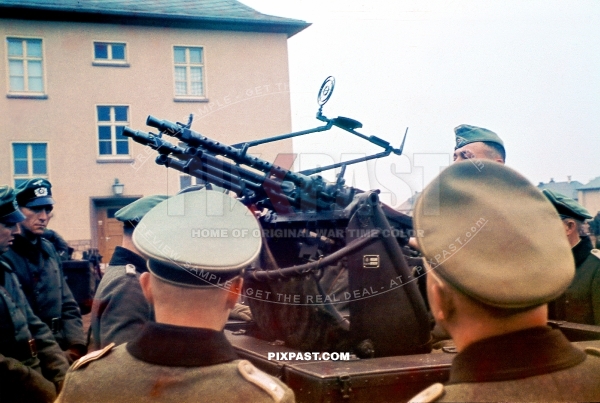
200 318
472 328
128 244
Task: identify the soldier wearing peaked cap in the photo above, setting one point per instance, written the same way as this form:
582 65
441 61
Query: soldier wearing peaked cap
193 282
32 365
477 142
496 255
581 301
39 269
119 309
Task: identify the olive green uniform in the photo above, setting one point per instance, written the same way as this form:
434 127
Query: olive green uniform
171 364
581 302
536 364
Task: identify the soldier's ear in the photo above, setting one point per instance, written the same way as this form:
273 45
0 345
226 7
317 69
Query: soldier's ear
234 292
440 298
146 288
570 226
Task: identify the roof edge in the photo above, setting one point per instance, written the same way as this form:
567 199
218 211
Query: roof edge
288 26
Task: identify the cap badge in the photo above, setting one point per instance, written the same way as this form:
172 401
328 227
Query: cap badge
460 141
37 183
41 192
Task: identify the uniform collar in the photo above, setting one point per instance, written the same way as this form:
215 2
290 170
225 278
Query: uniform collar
521 354
24 247
582 250
178 346
123 256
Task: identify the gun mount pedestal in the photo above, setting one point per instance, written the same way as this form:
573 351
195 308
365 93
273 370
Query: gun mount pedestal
306 309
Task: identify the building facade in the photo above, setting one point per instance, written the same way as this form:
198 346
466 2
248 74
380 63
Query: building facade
589 196
77 72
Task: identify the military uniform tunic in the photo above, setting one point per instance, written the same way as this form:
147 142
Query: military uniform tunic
27 348
39 270
171 364
537 364
119 310
581 301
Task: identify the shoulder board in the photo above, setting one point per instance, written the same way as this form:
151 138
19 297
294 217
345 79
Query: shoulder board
431 394
92 357
260 379
5 266
596 253
130 269
592 351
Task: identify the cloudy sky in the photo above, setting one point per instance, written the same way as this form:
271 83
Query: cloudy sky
528 70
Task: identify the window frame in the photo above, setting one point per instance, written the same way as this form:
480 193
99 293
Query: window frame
25 93
30 174
110 62
188 97
103 158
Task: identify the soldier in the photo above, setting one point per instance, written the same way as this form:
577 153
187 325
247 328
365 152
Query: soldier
28 351
497 254
477 142
39 269
595 230
581 302
120 310
474 142
195 264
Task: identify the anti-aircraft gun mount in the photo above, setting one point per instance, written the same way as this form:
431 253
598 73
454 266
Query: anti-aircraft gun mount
332 251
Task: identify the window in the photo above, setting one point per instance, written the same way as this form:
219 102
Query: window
29 161
111 121
186 181
25 65
107 53
189 72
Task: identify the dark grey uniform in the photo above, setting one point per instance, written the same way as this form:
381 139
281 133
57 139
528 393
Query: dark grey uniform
537 364
27 347
171 364
119 310
581 302
39 269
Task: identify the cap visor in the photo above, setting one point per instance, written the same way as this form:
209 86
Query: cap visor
13 218
42 201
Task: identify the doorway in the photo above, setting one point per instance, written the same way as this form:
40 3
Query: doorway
107 229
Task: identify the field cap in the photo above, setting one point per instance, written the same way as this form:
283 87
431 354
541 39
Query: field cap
466 134
131 214
567 207
214 239
9 209
35 192
492 235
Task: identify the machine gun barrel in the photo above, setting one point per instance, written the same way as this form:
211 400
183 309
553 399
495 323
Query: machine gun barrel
199 163
312 192
184 166
238 155
153 141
